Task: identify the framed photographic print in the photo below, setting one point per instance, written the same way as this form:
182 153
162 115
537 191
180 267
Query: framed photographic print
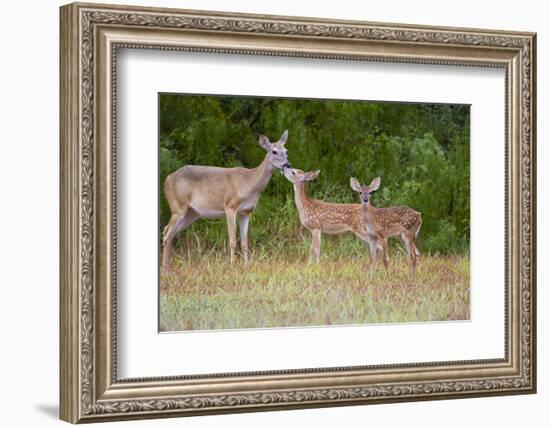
264 212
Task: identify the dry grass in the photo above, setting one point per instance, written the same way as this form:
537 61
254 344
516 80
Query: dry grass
205 292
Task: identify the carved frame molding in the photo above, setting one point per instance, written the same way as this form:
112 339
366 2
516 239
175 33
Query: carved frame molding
90 36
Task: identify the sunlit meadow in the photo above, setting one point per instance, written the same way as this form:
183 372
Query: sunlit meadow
203 292
422 154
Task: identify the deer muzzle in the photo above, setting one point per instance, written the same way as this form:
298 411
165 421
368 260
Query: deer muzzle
286 165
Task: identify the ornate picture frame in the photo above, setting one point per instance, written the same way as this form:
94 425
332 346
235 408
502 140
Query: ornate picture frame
90 37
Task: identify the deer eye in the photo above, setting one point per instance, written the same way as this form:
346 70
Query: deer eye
274 151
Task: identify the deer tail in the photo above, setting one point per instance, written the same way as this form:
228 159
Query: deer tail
417 252
419 225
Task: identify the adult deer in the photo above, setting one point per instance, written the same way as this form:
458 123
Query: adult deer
213 192
320 217
381 223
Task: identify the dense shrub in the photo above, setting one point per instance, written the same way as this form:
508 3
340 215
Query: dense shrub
421 151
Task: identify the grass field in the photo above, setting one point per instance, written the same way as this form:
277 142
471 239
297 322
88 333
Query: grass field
203 291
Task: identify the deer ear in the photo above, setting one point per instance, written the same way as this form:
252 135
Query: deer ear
375 184
284 137
264 142
309 176
313 175
355 186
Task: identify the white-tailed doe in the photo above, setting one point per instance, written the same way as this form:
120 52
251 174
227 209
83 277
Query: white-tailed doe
214 192
320 217
381 223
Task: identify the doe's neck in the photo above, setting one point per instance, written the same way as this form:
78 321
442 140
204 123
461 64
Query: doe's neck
300 194
262 174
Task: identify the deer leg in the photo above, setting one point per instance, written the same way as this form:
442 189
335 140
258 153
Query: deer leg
178 222
373 253
318 255
231 216
315 252
412 258
167 237
415 255
189 219
384 244
409 246
243 228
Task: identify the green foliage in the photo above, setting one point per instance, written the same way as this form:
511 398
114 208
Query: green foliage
421 151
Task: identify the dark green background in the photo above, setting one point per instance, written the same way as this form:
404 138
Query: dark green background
421 151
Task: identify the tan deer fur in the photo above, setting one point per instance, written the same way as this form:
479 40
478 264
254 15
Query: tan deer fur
196 192
382 223
320 217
